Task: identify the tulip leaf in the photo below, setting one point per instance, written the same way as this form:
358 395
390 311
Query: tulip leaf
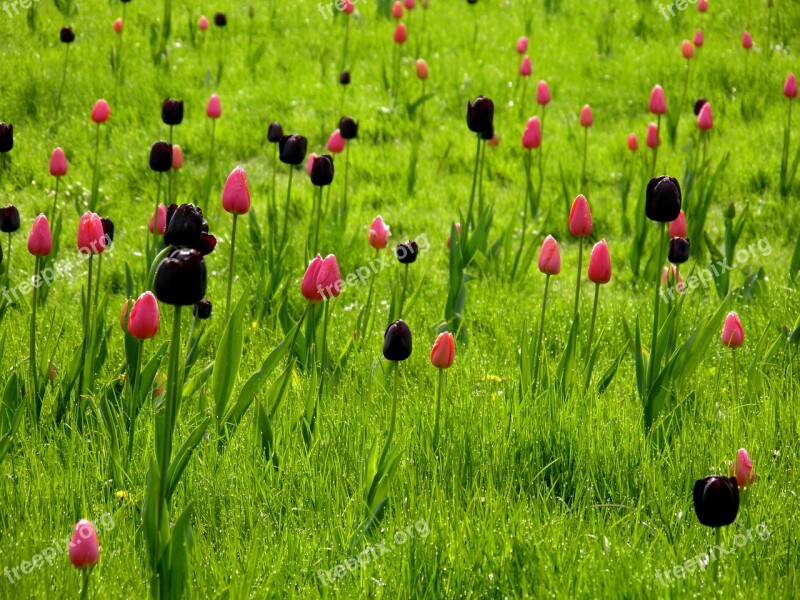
149 371
181 460
179 545
228 359
10 415
565 364
267 436
195 383
611 372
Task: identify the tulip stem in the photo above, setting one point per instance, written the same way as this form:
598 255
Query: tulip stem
63 82
482 168
655 148
654 339
8 262
55 201
527 163
286 212
541 333
578 280
87 332
735 376
717 570
230 270
171 407
97 281
403 293
317 194
474 185
393 414
343 210
84 582
134 390
787 138
33 366
584 181
155 224
594 314
273 208
438 411
210 173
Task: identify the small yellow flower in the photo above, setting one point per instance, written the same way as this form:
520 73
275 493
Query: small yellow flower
492 378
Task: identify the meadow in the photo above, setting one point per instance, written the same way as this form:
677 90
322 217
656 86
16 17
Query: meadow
290 445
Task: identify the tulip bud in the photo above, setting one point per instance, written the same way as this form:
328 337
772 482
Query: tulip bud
705 120
91 237
275 132
202 24
743 470
678 250
40 242
118 26
600 264
677 228
143 320
658 101
422 69
532 136
348 7
400 33
480 115
790 87
458 231
653 138
522 45
322 170
409 4
101 111
158 222
220 19
177 157
348 128
525 68
747 40
214 107
663 199
336 142
687 50
542 94
397 341
181 278
443 352
58 163
633 142
202 310
587 120
9 219
6 137
236 194
732 331
397 10
698 38
84 550
161 157
67 35
379 233
716 501
344 78
580 217
407 252
172 111
702 6
731 212
292 149
184 226
550 257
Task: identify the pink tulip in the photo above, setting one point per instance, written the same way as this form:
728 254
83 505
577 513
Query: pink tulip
653 139
40 242
203 23
443 352
308 286
162 220
400 33
336 142
525 67
747 40
732 331
698 38
705 120
532 137
600 263
397 10
422 69
702 6
458 231
790 87
586 116
100 111
177 157
322 279
310 163
687 49
84 550
379 233
677 228
665 276
522 45
409 4
633 142
143 320
550 257
743 470
543 94
118 25
494 140
580 217
214 108
58 163
348 7
91 237
658 101
236 194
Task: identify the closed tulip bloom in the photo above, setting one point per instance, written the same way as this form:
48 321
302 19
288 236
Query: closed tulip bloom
329 278
550 257
202 24
675 274
790 87
679 250
743 470
400 33
348 127
705 120
118 26
202 310
184 226
84 549
422 69
172 111
162 220
580 217
532 136
91 237
101 111
66 35
308 286
161 157
525 67
236 193
108 229
653 138
407 252
275 132
344 78
480 115
687 50
542 94
458 231
658 101
336 142
6 137
716 501
702 6
40 242
698 105
322 170
663 199
397 10
181 278
409 4
310 162
379 233
587 120
397 341
220 19
58 163
522 45
443 352
143 320
600 263
177 157
292 149
698 38
9 219
214 107
677 228
348 7
732 331
747 40
633 142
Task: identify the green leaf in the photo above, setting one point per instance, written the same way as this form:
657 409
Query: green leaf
228 360
181 460
10 415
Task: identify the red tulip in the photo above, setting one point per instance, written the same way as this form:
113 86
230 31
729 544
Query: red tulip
658 101
100 111
705 121
236 194
732 331
214 107
58 163
409 4
633 142
379 233
747 40
687 49
443 352
422 69
522 45
550 257
84 550
143 320
600 263
702 6
532 136
542 94
790 87
91 237
653 139
400 33
743 470
118 25
677 228
698 38
162 220
525 67
397 10
586 116
177 157
348 7
40 242
580 217
322 279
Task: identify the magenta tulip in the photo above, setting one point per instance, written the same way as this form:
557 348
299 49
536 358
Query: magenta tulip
143 320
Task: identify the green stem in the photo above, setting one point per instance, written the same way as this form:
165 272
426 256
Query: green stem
578 280
594 314
585 153
317 216
230 270
286 213
393 415
526 202
403 293
8 262
134 391
33 364
55 201
95 174
61 87
736 377
97 282
85 584
171 408
717 569
541 333
655 150
474 186
438 410
651 371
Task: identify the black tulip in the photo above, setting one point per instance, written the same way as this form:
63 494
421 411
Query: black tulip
67 35
472 1
184 226
108 229
220 20
202 310
172 111
698 105
348 128
407 252
678 251
206 244
344 78
6 137
397 341
293 149
275 132
322 170
487 135
161 157
181 278
663 199
716 501
9 219
480 115
125 1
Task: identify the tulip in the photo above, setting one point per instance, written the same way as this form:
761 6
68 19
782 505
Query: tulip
379 233
397 342
220 19
422 69
677 228
787 177
344 78
118 26
158 221
275 132
586 121
214 107
747 40
400 34
705 120
100 114
663 199
698 105
522 45
599 274
336 142
84 550
716 501
397 10
732 331
235 200
687 50
101 111
525 68
580 225
702 6
443 354
633 142
318 283
658 101
678 251
549 264
407 252
161 157
320 170
542 94
172 113
532 136
67 35
790 87
743 469
9 219
202 24
586 116
202 310
531 139
6 139
177 158
91 238
480 120
58 163
348 7
409 4
143 320
698 38
653 141
40 243
186 227
348 128
293 149
181 278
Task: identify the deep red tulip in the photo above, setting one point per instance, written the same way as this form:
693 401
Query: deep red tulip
91 237
58 163
532 136
214 107
400 33
101 111
633 142
587 120
525 68
705 120
658 101
653 139
580 217
550 257
443 352
790 87
379 233
542 93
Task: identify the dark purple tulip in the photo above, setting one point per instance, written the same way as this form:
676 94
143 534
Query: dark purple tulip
348 128
678 251
181 278
480 115
220 20
184 226
202 310
293 149
663 199
322 170
67 35
344 78
407 252
172 111
275 132
6 137
108 229
716 501
161 157
397 341
9 219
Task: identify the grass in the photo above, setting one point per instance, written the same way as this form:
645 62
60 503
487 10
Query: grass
559 495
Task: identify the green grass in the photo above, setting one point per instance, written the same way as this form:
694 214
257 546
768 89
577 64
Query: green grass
559 495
